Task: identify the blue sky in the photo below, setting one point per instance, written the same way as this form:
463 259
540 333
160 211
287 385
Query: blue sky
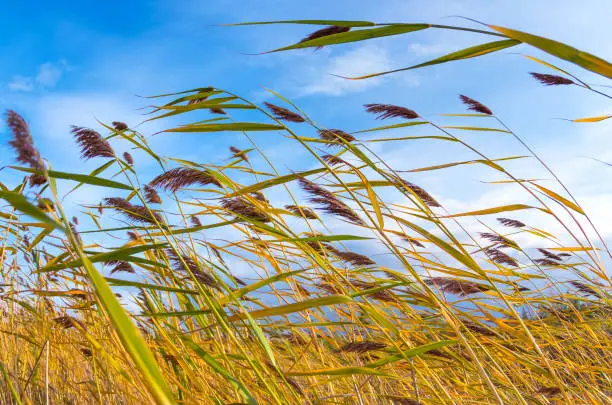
71 62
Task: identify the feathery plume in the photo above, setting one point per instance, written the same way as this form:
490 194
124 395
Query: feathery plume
335 136
67 322
550 255
551 80
498 239
584 288
304 212
457 287
421 193
120 266
546 262
135 213
237 153
329 202
45 204
385 111
474 105
324 32
353 258
179 263
362 347
511 223
333 160
414 241
499 257
474 327
23 143
128 158
243 208
195 221
284 114
179 177
151 195
92 143
217 110
120 126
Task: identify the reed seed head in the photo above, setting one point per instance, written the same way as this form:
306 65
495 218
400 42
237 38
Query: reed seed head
474 105
180 177
284 114
92 143
551 80
385 111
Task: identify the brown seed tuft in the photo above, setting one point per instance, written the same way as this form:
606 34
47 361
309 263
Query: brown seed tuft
474 327
498 239
151 195
324 32
195 221
550 255
179 177
135 213
179 262
551 80
421 193
353 258
546 262
499 257
128 158
284 114
217 110
46 205
23 143
385 111
120 126
92 143
362 347
511 223
67 322
237 153
243 208
336 137
304 212
333 160
474 105
120 266
329 202
414 241
584 288
457 287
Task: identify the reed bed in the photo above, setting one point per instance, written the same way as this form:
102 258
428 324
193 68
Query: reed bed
346 282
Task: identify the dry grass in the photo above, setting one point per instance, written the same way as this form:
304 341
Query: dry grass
406 305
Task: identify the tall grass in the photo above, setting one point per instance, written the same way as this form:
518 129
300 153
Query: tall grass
345 282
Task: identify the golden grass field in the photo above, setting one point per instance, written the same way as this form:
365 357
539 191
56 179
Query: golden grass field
446 312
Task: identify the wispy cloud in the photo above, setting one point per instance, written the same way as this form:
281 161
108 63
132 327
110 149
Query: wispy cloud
49 74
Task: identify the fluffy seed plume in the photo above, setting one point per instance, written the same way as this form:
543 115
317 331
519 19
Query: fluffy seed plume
217 110
284 114
46 205
414 242
474 105
550 255
195 221
511 223
499 257
23 143
353 258
120 126
67 322
237 153
135 213
243 208
324 32
421 193
151 195
333 160
335 136
184 262
120 266
497 239
385 111
179 177
362 347
584 288
329 202
551 80
128 158
474 327
546 262
92 143
457 287
304 212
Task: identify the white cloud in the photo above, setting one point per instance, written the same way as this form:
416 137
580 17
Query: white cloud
49 74
363 60
21 83
428 49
